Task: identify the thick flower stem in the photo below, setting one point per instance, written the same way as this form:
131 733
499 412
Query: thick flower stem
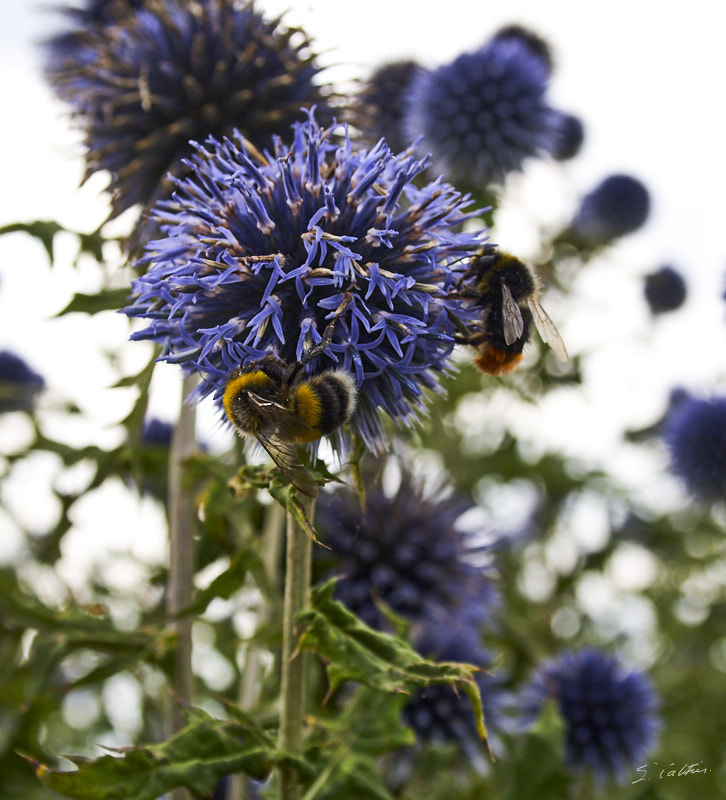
181 560
297 587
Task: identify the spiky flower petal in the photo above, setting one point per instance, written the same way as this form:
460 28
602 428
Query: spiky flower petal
406 549
144 78
263 253
609 711
484 113
695 434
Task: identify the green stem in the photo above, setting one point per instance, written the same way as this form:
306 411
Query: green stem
297 589
181 560
251 679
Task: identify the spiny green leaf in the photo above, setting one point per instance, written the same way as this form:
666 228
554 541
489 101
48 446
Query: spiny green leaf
74 626
228 582
43 230
353 651
195 758
103 300
286 495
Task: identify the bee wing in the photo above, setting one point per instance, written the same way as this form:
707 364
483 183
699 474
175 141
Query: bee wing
287 461
287 424
547 330
512 316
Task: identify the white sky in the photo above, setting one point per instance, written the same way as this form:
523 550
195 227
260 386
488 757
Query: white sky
646 81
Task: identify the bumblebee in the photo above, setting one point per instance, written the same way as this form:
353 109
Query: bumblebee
270 401
507 292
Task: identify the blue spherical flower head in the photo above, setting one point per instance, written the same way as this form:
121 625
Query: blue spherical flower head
610 712
483 114
145 78
272 254
406 549
19 384
619 205
695 434
664 290
440 714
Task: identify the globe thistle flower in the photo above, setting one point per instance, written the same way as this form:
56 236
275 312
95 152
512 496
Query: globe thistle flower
484 113
381 103
609 711
142 79
695 435
406 550
664 290
570 134
19 384
619 205
270 255
440 714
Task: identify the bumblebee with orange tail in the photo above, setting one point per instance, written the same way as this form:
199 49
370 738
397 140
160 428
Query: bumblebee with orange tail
507 292
270 401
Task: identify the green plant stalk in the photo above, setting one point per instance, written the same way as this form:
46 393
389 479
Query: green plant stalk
181 560
297 591
251 679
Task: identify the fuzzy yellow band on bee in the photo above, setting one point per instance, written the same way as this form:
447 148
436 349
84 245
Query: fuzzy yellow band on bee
257 381
306 403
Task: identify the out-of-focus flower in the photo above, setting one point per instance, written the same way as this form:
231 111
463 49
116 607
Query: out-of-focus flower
157 432
439 713
610 712
484 113
263 254
664 290
381 103
619 205
569 136
19 384
536 45
406 550
65 46
142 79
695 434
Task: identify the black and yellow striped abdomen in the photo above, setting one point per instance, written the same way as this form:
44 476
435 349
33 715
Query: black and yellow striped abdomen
325 401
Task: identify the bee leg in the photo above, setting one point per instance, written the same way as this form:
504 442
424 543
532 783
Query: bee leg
314 352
